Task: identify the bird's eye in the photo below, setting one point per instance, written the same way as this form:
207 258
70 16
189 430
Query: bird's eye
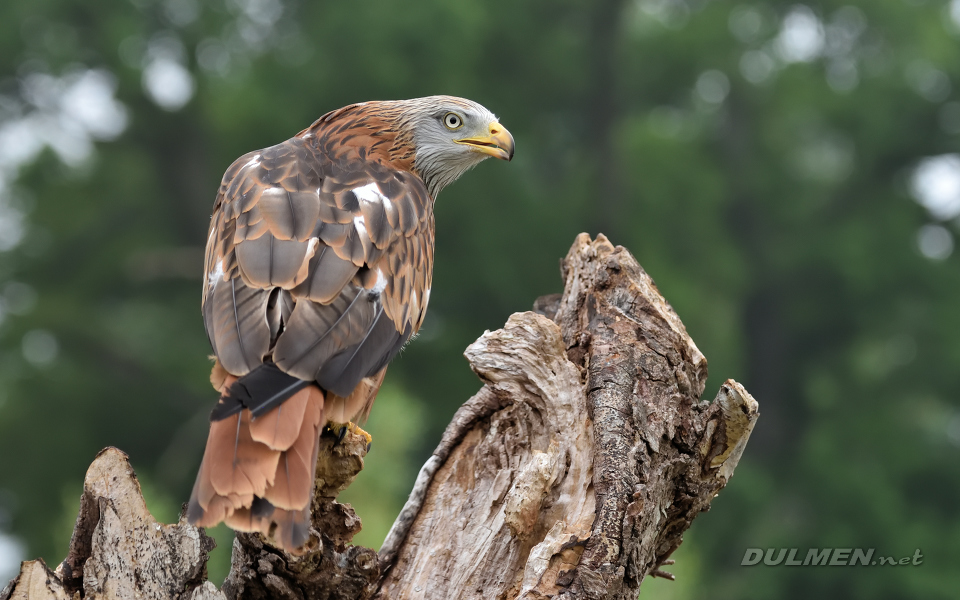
452 121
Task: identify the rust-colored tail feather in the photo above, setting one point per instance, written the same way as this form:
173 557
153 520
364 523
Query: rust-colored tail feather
280 427
234 462
298 463
292 527
289 528
258 474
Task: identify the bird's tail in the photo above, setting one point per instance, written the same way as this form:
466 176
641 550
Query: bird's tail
259 465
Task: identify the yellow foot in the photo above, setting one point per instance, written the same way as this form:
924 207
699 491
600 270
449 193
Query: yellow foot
341 431
356 429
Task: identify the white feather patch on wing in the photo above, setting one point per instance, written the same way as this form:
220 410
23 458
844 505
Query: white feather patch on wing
381 283
216 275
370 193
359 224
423 308
253 162
311 248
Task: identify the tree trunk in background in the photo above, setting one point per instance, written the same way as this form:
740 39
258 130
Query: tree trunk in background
572 473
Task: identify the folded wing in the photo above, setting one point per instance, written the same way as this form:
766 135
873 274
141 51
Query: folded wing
317 263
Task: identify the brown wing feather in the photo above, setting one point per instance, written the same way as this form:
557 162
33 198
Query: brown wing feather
271 262
290 215
316 333
327 276
235 317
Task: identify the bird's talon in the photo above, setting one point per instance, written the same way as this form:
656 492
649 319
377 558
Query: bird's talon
356 429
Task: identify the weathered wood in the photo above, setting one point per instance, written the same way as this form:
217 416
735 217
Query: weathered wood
593 456
35 582
509 510
118 549
572 473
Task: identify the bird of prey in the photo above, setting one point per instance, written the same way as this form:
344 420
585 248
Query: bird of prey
318 269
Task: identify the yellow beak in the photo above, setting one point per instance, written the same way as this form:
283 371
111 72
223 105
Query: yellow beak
499 144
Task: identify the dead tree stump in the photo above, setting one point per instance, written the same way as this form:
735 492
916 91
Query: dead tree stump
572 473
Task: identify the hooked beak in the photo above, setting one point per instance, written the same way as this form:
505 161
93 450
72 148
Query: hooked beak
499 144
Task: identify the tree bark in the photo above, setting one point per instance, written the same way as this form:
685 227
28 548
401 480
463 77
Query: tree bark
572 473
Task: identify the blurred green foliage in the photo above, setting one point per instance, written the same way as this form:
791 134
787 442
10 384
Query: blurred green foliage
757 157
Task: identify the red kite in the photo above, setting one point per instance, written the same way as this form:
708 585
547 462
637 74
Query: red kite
318 269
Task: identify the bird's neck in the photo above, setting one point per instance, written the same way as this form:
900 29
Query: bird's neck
369 131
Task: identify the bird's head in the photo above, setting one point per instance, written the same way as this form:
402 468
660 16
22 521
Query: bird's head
449 136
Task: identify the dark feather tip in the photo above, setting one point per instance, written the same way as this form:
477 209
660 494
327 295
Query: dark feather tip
300 534
194 511
261 508
226 407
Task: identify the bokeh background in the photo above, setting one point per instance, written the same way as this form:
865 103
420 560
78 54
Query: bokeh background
787 172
